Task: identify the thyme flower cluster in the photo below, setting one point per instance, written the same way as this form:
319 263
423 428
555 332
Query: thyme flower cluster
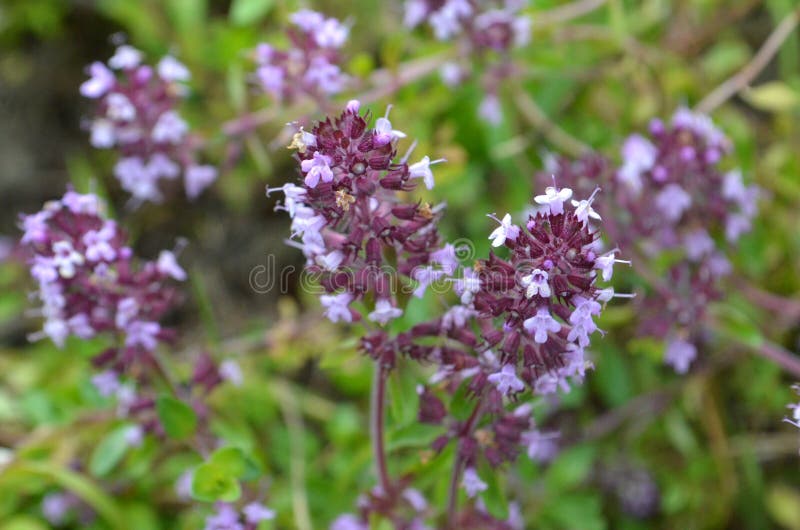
484 29
670 196
136 113
347 218
310 66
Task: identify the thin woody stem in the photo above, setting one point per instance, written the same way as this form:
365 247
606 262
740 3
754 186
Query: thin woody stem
377 408
751 70
458 463
567 12
534 115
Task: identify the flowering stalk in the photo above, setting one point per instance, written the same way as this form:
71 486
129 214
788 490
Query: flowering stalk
363 243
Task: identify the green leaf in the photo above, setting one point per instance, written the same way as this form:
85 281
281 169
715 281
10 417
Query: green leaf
774 96
494 497
211 482
246 12
217 479
178 418
109 451
231 460
415 436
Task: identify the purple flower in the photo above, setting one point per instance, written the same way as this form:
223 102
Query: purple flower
348 522
170 128
539 324
337 307
490 110
446 258
698 244
137 114
88 281
56 507
536 284
101 81
167 264
134 436
317 168
639 156
99 243
310 67
198 178
540 447
672 201
171 70
384 312
230 371
472 483
680 354
106 383
255 512
415 499
225 518
506 380
126 57
143 334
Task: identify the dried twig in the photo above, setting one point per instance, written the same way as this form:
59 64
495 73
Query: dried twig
745 76
534 114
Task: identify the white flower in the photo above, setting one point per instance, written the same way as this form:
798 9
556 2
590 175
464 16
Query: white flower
554 198
171 69
66 258
125 57
384 312
536 283
506 230
383 130
422 169
606 264
337 306
583 209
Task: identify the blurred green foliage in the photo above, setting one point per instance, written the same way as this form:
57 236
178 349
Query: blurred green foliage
712 441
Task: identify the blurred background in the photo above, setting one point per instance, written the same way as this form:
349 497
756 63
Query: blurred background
641 447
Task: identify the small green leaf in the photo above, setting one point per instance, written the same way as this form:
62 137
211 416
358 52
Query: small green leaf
494 497
774 96
109 451
246 12
231 460
211 482
178 418
415 436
